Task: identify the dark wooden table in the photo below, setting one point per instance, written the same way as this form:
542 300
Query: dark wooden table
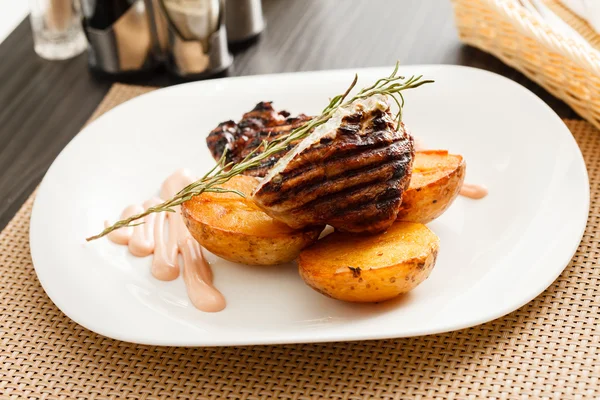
43 104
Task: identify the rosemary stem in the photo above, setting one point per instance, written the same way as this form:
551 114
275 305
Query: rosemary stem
222 172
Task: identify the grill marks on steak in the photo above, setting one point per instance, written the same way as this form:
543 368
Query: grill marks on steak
350 173
241 138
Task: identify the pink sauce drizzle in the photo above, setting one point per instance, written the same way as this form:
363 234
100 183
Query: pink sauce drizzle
151 238
472 191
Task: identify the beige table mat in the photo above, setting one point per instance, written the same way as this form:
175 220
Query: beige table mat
547 349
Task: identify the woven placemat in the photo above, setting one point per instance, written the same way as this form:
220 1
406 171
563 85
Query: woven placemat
547 349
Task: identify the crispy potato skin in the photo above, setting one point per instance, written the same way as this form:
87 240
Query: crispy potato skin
370 268
235 229
436 181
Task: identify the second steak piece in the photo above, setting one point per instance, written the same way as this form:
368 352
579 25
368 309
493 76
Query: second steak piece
350 172
239 139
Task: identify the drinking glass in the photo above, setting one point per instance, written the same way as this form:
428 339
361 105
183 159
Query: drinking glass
57 30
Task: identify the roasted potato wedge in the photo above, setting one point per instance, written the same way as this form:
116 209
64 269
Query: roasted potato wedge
234 228
370 268
436 181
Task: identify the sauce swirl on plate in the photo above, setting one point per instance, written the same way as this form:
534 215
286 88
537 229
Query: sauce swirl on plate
166 236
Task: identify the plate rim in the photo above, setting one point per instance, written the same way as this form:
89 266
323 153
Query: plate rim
322 336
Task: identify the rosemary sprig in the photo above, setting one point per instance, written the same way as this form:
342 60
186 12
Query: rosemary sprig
393 85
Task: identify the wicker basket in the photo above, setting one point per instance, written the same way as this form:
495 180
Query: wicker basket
567 69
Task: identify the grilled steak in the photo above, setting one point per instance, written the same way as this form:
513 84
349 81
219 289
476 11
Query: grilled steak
350 172
262 123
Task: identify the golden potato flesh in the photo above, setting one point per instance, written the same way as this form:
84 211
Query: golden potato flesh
435 182
234 228
370 268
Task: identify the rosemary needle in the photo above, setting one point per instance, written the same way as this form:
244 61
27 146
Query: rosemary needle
392 86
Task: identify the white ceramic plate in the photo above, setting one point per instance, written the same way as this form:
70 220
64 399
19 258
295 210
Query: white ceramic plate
496 254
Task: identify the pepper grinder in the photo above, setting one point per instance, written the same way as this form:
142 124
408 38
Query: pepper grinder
192 36
119 37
